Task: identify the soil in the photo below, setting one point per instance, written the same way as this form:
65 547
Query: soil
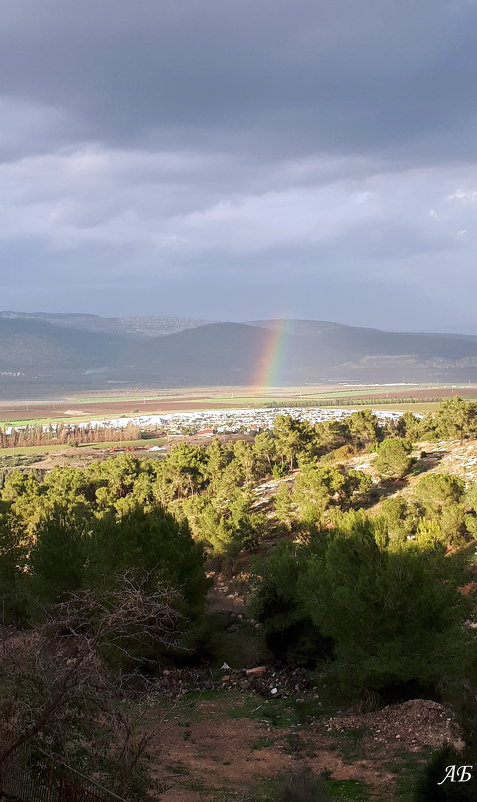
204 759
416 723
57 410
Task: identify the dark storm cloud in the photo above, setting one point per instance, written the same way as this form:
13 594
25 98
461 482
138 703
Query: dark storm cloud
208 158
347 74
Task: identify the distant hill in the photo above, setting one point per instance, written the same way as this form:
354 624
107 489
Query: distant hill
85 351
29 344
310 351
341 344
136 326
218 353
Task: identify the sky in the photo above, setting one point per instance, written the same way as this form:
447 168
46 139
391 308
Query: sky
241 159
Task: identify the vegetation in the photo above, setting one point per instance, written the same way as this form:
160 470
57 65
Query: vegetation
106 566
61 434
393 460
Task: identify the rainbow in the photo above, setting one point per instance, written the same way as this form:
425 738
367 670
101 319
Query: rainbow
267 370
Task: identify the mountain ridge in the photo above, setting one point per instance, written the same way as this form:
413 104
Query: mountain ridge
223 353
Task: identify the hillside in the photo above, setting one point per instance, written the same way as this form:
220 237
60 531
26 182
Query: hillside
32 345
85 351
354 347
308 351
150 326
309 651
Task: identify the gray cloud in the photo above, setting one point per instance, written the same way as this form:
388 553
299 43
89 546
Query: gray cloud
237 160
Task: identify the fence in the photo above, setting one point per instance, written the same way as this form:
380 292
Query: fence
47 779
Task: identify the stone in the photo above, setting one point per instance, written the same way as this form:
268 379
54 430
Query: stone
256 672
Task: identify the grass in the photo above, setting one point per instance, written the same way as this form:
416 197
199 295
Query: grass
407 767
287 713
14 452
17 460
146 442
268 789
350 743
223 397
348 790
278 712
237 704
178 769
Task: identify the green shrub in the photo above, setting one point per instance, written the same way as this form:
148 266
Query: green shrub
290 632
393 460
392 612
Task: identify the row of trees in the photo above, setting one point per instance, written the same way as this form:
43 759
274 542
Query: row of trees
66 434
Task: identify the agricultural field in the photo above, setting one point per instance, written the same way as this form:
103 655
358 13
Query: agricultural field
83 408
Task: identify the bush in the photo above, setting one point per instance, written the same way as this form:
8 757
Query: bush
439 490
392 612
279 471
75 555
393 460
155 542
395 614
290 633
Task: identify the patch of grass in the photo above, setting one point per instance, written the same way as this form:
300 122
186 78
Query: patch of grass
348 790
198 787
297 746
293 744
278 712
407 767
263 742
17 460
144 442
26 450
349 743
266 790
71 451
304 787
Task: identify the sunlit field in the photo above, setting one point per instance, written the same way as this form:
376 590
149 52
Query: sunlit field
76 409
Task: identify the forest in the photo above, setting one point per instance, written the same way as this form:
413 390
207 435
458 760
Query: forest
356 576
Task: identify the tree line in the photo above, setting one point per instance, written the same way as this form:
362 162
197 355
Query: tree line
65 434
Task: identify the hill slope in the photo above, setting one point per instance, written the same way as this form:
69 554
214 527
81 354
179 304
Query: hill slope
27 344
304 351
136 326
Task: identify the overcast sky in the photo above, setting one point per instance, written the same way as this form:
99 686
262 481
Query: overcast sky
236 159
